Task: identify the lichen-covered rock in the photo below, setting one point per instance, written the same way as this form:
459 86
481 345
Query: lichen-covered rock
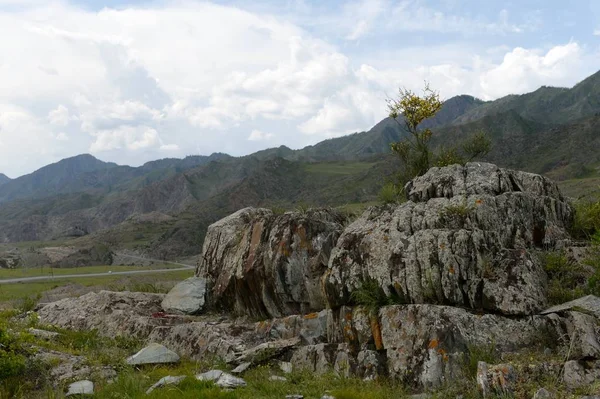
464 238
111 313
577 374
187 297
262 264
426 345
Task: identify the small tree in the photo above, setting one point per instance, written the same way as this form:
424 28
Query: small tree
414 152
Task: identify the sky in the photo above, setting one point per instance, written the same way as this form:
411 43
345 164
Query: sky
132 81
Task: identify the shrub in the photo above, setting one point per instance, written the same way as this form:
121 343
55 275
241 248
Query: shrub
568 280
389 194
587 219
455 215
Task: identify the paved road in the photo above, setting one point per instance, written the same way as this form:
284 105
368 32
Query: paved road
64 276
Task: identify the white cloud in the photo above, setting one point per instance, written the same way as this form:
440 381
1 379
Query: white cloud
257 135
126 137
59 116
596 32
110 82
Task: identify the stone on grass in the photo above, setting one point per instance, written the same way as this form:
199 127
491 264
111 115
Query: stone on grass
186 297
543 393
168 380
277 378
43 333
83 387
286 367
294 396
241 368
222 379
153 354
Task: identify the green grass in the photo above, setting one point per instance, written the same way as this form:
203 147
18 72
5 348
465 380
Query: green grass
19 291
48 271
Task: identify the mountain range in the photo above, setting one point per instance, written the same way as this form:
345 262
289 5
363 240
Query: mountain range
164 206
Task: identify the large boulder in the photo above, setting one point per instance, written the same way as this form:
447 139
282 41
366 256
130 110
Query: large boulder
261 264
465 237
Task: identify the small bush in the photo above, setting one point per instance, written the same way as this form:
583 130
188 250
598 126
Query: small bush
479 353
568 280
372 297
389 194
455 216
587 219
448 156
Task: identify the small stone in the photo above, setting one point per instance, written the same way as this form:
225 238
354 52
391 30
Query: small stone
241 368
277 378
43 333
211 375
573 374
286 367
153 354
327 397
294 396
222 379
168 380
84 387
227 381
543 393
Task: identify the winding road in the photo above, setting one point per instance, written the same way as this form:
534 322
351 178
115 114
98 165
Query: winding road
64 276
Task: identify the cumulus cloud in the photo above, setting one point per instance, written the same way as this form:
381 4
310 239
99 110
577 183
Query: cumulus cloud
257 135
112 83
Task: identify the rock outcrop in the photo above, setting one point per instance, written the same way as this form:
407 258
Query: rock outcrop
464 238
261 264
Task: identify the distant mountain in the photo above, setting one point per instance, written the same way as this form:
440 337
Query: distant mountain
85 173
554 131
4 179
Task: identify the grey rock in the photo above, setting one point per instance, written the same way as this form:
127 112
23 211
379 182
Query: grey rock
543 393
265 351
499 379
584 335
48 335
294 396
277 378
222 379
211 375
84 387
589 304
241 368
111 313
327 397
577 374
425 344
68 367
168 380
369 364
153 354
260 264
466 238
286 367
186 297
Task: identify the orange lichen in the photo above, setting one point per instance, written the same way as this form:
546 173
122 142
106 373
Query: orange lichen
451 270
311 316
433 343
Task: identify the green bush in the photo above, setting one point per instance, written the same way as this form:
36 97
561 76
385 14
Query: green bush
587 219
389 194
570 280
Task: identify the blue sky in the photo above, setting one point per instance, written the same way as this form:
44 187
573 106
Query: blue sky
139 80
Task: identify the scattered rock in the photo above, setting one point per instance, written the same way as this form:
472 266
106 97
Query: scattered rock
277 378
186 297
286 367
48 335
241 368
222 379
153 354
261 264
579 374
543 393
294 396
327 397
84 387
498 379
168 380
588 304
65 366
265 351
